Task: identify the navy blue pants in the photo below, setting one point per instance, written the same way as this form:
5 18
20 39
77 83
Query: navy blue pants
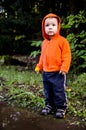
54 89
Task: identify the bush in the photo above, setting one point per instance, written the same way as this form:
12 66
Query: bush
74 26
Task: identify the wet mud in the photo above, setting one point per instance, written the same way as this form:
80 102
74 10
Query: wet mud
12 118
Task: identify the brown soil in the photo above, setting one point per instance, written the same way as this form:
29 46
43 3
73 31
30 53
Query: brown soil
12 118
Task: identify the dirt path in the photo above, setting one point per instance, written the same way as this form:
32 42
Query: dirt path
19 119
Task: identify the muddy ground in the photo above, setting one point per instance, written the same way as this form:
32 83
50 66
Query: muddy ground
12 118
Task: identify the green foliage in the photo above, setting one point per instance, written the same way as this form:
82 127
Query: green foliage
74 20
25 89
77 98
20 88
76 35
36 44
20 21
16 33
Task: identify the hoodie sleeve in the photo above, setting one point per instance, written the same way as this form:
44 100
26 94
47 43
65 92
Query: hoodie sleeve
66 56
40 63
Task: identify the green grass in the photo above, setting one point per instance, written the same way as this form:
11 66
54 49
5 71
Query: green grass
77 96
22 87
12 74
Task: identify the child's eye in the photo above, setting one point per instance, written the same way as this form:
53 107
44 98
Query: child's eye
47 25
53 24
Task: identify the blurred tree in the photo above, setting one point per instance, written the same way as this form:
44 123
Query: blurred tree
20 20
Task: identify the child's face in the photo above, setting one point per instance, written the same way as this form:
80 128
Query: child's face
51 26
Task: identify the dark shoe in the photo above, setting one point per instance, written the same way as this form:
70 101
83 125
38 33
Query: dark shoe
47 110
60 113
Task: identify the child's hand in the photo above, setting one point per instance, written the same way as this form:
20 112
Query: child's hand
62 72
37 70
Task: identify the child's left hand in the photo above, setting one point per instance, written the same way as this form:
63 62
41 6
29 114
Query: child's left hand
62 72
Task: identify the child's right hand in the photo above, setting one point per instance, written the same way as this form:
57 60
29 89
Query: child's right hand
37 70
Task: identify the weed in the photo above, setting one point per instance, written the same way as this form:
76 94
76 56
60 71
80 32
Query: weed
24 89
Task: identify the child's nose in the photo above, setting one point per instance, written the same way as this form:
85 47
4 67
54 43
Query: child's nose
50 27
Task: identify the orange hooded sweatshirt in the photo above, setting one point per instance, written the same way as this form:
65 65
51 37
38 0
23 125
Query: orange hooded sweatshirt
55 53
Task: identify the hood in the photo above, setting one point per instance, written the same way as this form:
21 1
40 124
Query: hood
45 36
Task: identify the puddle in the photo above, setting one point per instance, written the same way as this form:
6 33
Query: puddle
12 118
